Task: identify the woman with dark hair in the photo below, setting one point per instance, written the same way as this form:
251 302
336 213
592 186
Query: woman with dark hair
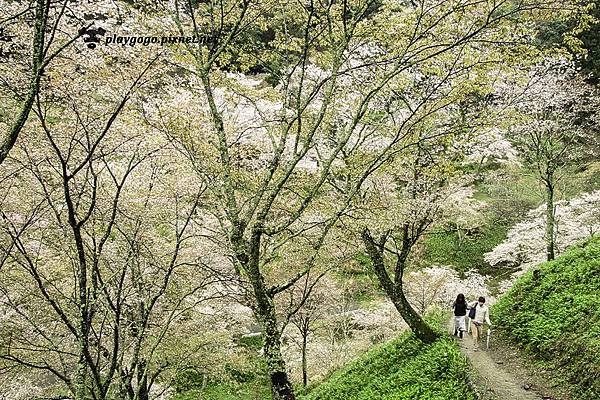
460 311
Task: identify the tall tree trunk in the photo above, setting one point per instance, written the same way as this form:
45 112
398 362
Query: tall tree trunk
550 245
41 19
142 379
304 363
281 387
395 292
80 376
412 318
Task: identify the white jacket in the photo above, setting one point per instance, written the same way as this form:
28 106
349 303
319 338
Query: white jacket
482 313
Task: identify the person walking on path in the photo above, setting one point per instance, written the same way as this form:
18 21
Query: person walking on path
460 312
479 313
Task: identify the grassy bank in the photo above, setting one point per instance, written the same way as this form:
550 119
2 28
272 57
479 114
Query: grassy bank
403 368
555 315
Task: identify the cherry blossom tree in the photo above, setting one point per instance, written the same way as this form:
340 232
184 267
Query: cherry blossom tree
100 243
438 287
315 120
42 24
576 219
555 131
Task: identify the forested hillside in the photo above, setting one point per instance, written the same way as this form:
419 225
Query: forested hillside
254 199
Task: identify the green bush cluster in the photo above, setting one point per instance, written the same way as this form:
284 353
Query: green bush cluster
254 342
555 314
403 368
245 379
187 380
229 391
446 248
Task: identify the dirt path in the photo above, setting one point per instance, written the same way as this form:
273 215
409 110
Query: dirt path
495 381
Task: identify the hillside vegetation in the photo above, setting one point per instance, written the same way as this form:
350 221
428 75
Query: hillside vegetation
403 368
555 314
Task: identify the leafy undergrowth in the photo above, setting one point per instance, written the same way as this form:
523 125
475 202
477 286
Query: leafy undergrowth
244 379
466 253
555 315
403 368
228 391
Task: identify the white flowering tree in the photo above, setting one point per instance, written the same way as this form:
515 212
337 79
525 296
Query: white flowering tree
576 219
556 112
405 209
438 287
492 147
40 24
99 247
353 79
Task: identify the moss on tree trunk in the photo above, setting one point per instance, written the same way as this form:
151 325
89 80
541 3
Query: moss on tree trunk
394 290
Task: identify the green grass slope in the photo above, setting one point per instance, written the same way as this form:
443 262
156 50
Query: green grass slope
401 369
556 316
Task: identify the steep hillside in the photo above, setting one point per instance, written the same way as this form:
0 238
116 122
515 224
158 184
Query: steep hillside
554 312
403 368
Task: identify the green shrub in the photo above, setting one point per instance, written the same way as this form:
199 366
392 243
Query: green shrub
257 390
253 342
189 379
556 316
244 378
467 253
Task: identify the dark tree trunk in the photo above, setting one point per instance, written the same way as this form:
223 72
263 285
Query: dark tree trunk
394 290
412 318
550 245
34 86
264 309
304 363
281 387
142 378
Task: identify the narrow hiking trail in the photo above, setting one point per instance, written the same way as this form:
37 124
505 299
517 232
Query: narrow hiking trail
493 379
496 381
